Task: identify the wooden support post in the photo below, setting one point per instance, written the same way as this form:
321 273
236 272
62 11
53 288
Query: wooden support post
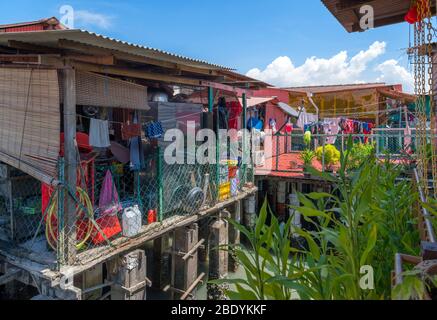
249 212
91 278
130 277
203 234
218 258
161 262
186 240
69 249
234 236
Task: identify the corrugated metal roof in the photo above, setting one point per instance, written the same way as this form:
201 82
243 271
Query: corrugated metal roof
337 88
50 38
52 20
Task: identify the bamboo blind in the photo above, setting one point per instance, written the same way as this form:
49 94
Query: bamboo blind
101 91
30 121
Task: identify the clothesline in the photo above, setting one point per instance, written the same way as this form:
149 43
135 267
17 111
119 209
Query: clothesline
90 118
364 113
369 105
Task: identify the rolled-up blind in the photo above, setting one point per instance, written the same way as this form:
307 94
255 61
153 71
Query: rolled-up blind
30 121
102 91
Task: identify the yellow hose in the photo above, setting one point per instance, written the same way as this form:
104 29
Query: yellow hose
52 213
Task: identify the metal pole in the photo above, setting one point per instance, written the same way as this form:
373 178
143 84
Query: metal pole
217 150
210 99
277 153
323 155
160 187
244 127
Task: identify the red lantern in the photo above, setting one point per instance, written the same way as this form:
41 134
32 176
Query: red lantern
412 16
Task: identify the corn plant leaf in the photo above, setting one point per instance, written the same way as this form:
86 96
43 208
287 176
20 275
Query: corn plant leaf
371 242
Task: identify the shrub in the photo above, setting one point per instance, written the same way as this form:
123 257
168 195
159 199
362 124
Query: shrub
332 155
359 153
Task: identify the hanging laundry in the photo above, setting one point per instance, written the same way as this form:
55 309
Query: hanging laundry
347 126
99 133
331 128
221 111
306 118
273 126
137 160
235 109
109 203
255 122
130 130
154 130
367 130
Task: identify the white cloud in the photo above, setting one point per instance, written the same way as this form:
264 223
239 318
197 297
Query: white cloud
392 72
88 18
339 69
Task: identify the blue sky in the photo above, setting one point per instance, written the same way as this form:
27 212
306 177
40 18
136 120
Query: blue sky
272 39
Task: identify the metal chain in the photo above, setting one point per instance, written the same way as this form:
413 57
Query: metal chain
421 91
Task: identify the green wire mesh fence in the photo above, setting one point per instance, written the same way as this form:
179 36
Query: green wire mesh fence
160 191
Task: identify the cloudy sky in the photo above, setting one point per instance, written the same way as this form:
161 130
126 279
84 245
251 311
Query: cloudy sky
283 42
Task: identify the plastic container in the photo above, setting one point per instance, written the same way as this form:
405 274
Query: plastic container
225 191
152 217
132 221
233 172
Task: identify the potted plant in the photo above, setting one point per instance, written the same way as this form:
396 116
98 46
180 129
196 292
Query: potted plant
307 156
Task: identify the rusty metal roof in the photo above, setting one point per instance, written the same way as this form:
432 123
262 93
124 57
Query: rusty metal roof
50 38
52 20
386 12
337 88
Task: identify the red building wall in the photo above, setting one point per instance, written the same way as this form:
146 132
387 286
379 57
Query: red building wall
25 28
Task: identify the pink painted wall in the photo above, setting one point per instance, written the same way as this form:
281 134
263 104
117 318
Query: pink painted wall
282 95
274 112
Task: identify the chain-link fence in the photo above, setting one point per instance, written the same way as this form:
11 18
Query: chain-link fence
113 202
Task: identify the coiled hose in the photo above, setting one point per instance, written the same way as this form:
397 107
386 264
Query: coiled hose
52 217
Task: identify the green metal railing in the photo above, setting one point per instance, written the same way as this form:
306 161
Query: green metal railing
397 144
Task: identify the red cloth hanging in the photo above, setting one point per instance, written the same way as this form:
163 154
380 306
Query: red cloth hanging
235 110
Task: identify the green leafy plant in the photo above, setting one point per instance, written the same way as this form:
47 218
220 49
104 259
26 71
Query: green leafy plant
415 286
364 222
307 156
330 154
269 273
431 206
359 154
